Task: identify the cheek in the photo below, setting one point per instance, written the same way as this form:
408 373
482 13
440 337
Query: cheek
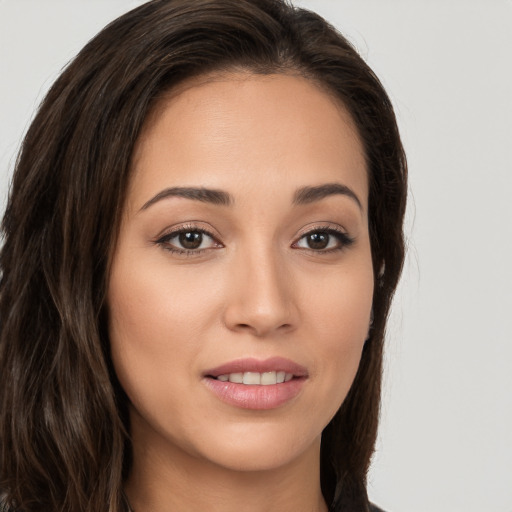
150 304
157 316
339 303
138 324
338 316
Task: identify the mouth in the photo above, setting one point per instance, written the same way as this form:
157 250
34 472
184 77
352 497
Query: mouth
256 378
255 384
255 372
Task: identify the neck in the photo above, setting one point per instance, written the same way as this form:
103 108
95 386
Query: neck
165 478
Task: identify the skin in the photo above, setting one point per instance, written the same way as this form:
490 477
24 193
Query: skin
257 289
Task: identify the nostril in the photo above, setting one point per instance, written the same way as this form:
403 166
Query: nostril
262 330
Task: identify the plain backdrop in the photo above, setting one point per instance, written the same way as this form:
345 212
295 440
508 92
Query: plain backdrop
446 434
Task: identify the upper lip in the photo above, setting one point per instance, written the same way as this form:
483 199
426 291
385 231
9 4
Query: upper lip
273 364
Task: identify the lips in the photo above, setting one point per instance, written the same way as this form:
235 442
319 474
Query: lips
255 384
250 365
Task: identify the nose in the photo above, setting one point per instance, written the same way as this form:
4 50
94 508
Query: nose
262 296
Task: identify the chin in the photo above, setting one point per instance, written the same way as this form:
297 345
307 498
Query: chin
258 446
263 455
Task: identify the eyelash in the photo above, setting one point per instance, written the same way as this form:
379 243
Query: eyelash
344 240
163 241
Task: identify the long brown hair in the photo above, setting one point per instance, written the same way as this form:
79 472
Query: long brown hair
64 439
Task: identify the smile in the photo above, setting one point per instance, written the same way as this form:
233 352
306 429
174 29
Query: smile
256 378
256 384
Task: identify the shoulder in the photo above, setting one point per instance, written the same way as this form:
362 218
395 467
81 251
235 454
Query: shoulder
373 508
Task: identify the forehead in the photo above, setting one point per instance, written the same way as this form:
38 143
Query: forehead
243 130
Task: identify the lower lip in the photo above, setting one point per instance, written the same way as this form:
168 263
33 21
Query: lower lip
253 396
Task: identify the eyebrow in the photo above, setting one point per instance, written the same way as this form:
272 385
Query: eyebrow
302 196
307 195
205 195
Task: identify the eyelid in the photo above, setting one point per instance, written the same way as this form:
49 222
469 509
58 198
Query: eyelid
344 239
164 238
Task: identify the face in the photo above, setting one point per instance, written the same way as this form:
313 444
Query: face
243 261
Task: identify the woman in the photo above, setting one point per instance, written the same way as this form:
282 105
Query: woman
202 240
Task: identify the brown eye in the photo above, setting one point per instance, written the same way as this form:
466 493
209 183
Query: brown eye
318 240
324 240
190 240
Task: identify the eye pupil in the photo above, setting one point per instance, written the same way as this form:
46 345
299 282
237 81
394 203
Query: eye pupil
191 239
318 240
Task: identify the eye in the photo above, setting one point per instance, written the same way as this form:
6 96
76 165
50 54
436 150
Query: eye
188 240
324 240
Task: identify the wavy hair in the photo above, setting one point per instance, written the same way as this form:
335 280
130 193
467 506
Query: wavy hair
64 437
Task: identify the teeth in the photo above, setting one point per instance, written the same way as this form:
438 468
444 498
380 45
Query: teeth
238 378
255 378
268 378
252 378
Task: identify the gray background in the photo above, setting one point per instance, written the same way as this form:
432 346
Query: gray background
446 436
